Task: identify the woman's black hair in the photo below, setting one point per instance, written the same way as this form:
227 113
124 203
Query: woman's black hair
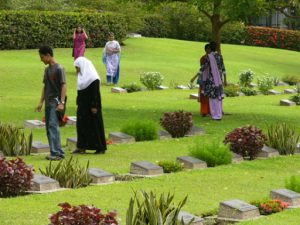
213 46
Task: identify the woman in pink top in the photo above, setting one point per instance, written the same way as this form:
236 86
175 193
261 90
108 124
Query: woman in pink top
79 37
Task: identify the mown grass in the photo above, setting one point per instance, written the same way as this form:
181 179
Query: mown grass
21 81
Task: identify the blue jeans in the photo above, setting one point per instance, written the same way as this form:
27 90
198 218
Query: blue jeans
52 128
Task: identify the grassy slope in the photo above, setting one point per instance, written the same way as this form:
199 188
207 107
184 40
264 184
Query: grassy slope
21 75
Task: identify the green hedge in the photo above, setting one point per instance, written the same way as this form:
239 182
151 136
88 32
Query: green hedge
31 29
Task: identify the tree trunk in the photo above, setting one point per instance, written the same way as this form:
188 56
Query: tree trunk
216 31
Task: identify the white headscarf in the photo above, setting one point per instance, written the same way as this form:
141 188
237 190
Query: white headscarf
87 73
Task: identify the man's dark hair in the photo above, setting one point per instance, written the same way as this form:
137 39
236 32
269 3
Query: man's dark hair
207 46
45 50
213 46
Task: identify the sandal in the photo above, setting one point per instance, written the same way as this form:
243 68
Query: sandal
78 151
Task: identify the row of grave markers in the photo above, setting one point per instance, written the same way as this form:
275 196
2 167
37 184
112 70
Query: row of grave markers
229 211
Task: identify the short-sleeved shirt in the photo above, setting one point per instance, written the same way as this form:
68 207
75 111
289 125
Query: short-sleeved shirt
54 78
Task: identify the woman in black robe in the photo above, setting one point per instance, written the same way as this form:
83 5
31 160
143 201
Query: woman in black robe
90 128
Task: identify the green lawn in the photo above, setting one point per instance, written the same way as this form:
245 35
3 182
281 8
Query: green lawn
21 81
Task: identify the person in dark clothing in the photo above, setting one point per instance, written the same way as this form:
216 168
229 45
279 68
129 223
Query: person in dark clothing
90 128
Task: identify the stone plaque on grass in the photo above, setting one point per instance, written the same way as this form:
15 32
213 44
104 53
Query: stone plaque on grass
191 162
253 85
187 218
164 135
119 137
236 158
291 197
72 143
145 168
194 96
267 152
42 183
274 92
118 90
290 91
71 120
237 209
195 131
161 87
34 124
39 147
286 102
100 176
281 83
182 87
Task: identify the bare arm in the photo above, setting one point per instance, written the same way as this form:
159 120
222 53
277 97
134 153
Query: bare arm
194 77
42 99
84 33
74 34
60 107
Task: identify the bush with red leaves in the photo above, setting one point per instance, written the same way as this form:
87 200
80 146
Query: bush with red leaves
82 215
15 177
246 141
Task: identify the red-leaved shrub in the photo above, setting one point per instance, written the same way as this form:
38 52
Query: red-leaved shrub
246 141
177 123
15 177
82 215
268 207
272 37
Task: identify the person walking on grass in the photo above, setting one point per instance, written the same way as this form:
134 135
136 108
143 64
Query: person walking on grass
79 37
211 75
54 95
89 125
204 101
111 59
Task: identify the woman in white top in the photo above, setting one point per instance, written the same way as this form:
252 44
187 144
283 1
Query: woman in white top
111 59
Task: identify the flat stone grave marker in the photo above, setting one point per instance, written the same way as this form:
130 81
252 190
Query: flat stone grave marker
39 147
253 85
291 197
187 217
286 102
34 123
195 131
161 87
191 162
182 87
267 152
274 92
100 176
134 35
145 168
281 83
119 137
237 210
72 120
290 91
194 96
118 90
164 135
41 183
72 143
236 158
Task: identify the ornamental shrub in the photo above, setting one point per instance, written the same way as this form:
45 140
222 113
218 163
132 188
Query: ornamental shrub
248 91
69 173
291 79
170 166
151 209
31 29
293 183
13 140
132 87
15 177
264 84
283 137
154 26
272 37
141 130
231 90
296 98
82 215
234 33
246 141
246 77
151 80
267 207
177 123
213 154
